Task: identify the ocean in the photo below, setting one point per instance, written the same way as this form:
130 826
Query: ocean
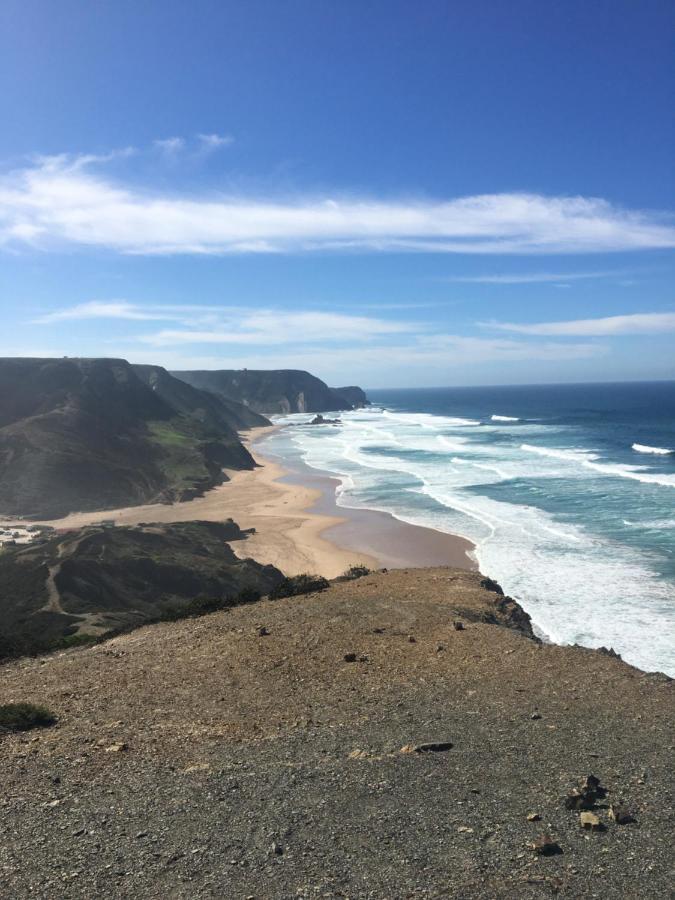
567 491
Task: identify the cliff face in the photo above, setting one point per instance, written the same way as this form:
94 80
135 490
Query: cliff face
279 391
354 395
204 406
102 578
83 434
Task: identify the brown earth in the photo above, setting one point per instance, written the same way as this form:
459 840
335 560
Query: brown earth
207 759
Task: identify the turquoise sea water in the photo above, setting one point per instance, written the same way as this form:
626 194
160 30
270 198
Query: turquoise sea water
568 493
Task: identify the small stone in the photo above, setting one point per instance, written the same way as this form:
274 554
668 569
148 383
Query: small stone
620 814
277 849
440 648
577 799
458 626
533 817
412 639
262 631
349 657
117 748
79 832
430 747
378 630
545 846
590 822
464 829
358 754
535 716
141 834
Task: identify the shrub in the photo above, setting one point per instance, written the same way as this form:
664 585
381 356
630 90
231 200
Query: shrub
203 605
354 572
24 716
295 585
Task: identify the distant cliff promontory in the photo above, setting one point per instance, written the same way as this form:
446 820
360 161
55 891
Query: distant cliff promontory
84 434
275 391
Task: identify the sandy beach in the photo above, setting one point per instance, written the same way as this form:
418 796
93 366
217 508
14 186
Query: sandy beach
298 526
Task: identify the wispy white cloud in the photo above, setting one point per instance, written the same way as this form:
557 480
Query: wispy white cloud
270 328
634 323
534 277
210 324
214 141
60 201
102 309
170 147
450 356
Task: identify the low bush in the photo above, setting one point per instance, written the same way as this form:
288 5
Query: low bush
24 716
203 605
354 572
295 585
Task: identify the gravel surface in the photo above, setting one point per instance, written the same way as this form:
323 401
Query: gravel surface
205 758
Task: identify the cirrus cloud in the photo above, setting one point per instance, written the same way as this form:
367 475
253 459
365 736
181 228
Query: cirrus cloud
60 201
634 323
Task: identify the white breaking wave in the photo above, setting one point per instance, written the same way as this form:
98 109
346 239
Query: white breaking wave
559 571
619 470
426 420
568 455
504 419
645 448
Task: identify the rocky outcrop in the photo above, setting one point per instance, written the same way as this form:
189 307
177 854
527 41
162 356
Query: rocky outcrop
356 396
104 578
84 434
280 391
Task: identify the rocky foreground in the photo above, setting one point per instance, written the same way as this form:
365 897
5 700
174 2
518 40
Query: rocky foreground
395 736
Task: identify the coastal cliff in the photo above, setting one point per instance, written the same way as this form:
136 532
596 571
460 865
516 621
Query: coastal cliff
280 391
83 434
390 736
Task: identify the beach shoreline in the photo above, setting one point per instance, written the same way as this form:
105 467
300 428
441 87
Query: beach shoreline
297 524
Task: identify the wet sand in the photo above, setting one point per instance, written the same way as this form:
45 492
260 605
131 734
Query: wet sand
298 526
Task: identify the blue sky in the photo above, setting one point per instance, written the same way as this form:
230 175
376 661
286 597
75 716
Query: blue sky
388 193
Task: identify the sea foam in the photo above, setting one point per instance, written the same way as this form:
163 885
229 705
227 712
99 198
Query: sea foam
645 448
504 419
444 473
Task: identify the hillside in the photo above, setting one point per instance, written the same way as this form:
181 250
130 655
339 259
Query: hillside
82 434
244 755
354 395
274 391
208 408
98 579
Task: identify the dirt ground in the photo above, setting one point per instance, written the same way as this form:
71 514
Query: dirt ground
207 758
